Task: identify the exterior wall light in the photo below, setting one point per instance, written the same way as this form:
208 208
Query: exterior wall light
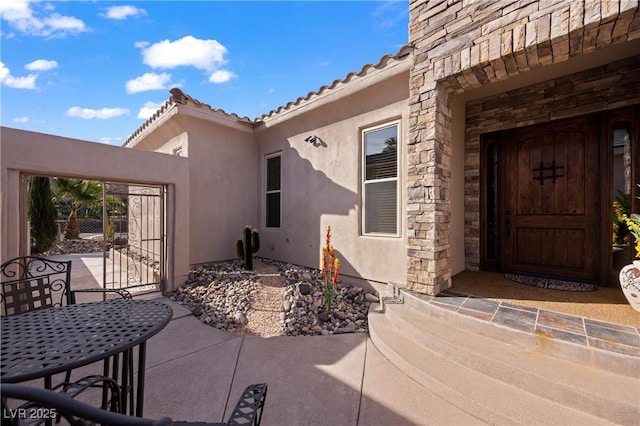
315 140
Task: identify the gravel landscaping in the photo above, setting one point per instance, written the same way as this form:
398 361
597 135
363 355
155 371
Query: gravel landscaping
224 295
275 299
74 246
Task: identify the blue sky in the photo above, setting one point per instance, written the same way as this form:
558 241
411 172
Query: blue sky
95 70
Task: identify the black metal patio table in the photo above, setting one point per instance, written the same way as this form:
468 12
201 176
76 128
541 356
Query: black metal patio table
45 342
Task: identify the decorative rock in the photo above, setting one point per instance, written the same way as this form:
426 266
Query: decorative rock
349 328
239 318
220 295
304 289
75 246
371 297
339 315
323 316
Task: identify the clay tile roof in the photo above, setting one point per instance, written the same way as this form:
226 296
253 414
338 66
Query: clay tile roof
402 53
178 97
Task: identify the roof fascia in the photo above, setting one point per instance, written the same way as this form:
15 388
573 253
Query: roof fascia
217 117
151 126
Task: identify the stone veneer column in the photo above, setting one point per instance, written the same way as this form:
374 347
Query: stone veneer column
428 185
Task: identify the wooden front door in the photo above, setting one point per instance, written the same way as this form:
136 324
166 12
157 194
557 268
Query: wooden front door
550 204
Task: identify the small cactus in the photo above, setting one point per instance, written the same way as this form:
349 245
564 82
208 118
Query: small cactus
249 247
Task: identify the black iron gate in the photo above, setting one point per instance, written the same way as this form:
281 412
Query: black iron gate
135 237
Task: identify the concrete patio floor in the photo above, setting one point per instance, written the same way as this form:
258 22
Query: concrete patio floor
195 372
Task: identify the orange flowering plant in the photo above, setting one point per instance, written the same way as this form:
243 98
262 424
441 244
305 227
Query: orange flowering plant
330 271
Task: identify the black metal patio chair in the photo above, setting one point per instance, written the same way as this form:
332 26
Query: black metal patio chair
32 282
42 404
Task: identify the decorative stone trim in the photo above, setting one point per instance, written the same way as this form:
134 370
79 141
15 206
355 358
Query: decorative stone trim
461 46
611 86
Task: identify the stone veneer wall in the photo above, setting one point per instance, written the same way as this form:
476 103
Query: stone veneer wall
614 85
460 45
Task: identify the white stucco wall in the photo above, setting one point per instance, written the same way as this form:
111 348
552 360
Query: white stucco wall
23 152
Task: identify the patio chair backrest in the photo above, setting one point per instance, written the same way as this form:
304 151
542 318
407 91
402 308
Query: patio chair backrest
51 405
31 282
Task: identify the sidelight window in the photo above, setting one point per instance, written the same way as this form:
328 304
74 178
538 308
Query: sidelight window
273 195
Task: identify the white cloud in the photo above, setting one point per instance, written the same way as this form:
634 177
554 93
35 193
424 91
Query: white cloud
123 12
148 81
15 10
41 65
21 120
102 114
24 18
4 71
148 109
207 55
57 22
389 13
6 79
271 90
221 76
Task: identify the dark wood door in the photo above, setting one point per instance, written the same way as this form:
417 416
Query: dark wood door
550 207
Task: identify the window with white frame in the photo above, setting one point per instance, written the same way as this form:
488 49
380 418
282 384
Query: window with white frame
380 179
273 187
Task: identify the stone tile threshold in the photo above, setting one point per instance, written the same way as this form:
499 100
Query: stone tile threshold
582 331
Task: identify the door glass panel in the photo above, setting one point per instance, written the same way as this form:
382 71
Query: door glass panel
491 191
621 195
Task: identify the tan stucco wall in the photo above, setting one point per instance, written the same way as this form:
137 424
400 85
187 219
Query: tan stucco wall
223 188
222 156
23 152
321 185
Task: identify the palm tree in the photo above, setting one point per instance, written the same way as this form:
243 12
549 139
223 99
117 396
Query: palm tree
390 144
77 193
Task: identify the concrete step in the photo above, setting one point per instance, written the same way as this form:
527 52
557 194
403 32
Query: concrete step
496 381
447 310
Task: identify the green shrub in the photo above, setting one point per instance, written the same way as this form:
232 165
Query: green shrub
42 214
